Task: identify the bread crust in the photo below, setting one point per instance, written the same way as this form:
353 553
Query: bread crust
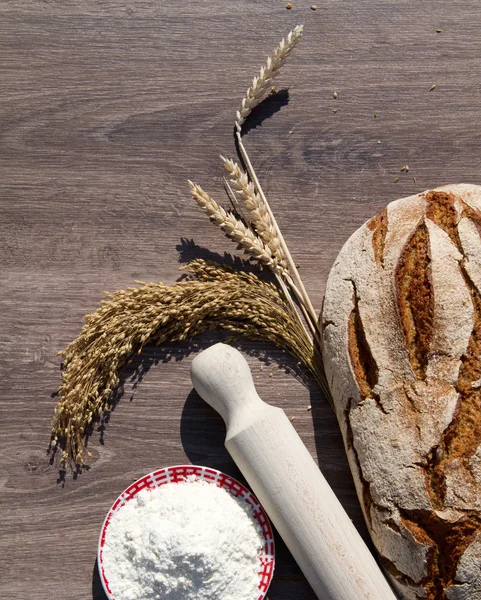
401 333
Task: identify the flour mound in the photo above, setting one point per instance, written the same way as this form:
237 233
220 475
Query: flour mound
183 541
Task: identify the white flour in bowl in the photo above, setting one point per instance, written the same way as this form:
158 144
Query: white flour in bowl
185 541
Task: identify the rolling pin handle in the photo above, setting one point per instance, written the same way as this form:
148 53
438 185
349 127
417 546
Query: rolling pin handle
223 379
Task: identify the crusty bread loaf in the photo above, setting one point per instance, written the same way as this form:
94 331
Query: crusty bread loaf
401 327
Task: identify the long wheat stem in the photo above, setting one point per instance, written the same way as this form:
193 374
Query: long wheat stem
256 93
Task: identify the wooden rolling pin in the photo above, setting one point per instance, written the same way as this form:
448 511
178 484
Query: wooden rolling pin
288 483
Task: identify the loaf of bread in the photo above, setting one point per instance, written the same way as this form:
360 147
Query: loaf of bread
401 330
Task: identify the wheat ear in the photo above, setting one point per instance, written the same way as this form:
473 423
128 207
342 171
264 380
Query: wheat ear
262 84
235 229
259 215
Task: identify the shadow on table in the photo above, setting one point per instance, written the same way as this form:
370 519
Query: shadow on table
98 592
189 250
266 109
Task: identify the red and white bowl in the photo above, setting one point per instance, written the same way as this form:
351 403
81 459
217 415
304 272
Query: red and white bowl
179 473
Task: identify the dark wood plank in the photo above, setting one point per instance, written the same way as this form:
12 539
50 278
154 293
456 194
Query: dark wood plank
106 109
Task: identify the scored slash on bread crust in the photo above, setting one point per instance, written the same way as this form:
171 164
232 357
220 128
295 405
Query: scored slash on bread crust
401 331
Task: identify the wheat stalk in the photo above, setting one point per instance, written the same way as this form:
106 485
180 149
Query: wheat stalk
262 222
235 229
262 84
294 280
255 94
249 241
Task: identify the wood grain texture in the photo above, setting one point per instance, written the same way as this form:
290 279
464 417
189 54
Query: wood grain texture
105 109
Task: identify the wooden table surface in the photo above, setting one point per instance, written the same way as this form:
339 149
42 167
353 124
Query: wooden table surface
106 109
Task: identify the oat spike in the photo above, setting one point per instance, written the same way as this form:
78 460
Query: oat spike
215 297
